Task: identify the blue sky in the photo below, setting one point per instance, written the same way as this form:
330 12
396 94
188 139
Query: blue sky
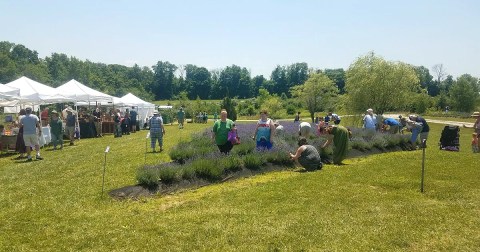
257 35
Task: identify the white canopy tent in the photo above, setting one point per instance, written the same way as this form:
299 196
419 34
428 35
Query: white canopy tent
143 108
81 93
8 93
35 93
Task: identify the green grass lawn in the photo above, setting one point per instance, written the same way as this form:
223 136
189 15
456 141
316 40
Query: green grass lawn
371 203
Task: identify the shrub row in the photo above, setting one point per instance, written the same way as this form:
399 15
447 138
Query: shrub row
199 158
210 169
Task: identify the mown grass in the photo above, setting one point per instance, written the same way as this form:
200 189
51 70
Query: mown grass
370 203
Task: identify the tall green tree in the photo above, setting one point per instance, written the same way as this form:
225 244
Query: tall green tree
58 68
373 82
464 93
7 68
229 105
257 83
163 80
199 81
235 81
280 80
317 93
426 81
338 77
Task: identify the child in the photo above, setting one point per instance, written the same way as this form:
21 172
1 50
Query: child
475 143
232 135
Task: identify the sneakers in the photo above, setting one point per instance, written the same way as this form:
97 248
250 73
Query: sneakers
38 157
29 159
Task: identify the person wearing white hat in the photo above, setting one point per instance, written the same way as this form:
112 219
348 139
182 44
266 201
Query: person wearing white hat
369 120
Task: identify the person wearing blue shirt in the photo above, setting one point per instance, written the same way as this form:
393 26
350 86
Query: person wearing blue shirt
393 125
425 128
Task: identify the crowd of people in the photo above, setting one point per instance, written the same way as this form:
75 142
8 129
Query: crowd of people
224 131
66 124
337 135
416 124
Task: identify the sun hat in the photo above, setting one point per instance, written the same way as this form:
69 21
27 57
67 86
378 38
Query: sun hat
54 112
370 110
475 114
156 112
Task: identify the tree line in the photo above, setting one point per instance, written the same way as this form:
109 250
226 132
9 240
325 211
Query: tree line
163 81
370 81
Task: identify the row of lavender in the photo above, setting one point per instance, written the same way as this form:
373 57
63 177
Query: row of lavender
200 158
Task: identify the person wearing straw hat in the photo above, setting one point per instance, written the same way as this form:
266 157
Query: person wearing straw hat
157 131
476 124
56 130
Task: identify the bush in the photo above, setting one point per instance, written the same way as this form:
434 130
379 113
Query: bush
168 175
360 144
147 177
232 163
207 169
246 147
182 152
187 172
291 109
279 158
379 142
253 161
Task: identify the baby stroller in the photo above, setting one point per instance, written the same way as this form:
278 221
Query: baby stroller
450 139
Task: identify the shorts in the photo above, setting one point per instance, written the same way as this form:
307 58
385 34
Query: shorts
225 148
30 140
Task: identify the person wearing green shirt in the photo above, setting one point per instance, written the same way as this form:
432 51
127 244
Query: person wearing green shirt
220 132
339 135
56 130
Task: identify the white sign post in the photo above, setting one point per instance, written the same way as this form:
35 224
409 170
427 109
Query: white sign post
104 167
146 148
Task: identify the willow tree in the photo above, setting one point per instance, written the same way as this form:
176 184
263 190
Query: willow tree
317 93
373 82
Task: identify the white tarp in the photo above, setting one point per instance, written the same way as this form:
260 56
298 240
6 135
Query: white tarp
35 93
9 91
8 95
81 93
